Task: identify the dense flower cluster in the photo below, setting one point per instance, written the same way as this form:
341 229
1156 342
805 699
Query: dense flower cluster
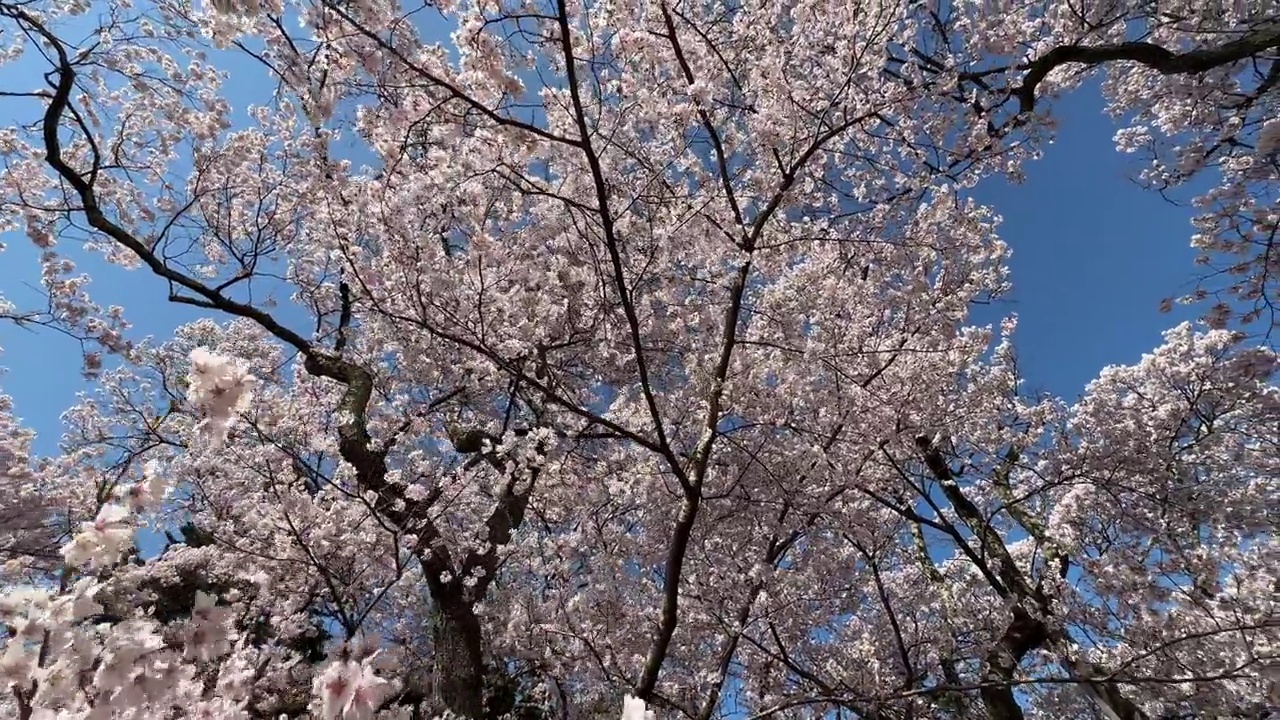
619 352
219 386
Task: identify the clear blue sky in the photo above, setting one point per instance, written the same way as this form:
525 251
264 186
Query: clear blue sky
1093 254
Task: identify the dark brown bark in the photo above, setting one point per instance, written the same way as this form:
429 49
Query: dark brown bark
1157 58
1024 634
459 658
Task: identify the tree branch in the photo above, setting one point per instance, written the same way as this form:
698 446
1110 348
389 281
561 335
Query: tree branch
1153 56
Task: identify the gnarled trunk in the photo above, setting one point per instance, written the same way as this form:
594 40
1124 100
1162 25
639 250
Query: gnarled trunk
1024 634
459 658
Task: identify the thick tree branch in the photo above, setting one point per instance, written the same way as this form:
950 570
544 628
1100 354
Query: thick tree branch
1153 56
1029 628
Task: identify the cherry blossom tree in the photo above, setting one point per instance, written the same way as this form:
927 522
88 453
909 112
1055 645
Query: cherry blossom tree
629 361
27 536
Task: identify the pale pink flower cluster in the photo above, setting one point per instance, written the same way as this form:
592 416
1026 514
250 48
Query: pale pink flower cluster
221 387
350 690
105 540
207 635
132 666
102 542
634 709
246 8
148 492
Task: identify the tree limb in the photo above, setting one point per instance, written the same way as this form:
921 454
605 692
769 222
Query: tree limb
1160 59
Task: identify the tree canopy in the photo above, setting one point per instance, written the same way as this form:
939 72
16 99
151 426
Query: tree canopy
628 365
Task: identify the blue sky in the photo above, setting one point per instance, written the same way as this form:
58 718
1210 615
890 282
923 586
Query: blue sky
1093 254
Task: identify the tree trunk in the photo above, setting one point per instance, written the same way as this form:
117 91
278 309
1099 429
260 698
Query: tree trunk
1024 634
459 659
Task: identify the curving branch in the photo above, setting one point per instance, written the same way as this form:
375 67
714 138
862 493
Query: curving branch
1157 58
